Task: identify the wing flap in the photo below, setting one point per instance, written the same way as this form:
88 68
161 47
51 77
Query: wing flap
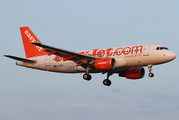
20 59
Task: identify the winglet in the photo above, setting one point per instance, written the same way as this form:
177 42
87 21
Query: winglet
28 37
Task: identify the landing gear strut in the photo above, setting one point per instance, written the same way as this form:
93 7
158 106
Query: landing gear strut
107 82
87 76
150 69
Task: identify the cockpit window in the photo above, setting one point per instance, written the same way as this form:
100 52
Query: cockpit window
162 48
166 48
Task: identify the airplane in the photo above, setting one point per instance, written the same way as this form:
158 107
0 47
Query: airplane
126 61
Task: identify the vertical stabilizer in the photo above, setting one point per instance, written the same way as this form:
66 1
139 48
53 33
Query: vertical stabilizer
28 38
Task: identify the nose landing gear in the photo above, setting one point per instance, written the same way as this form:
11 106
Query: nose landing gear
151 75
150 69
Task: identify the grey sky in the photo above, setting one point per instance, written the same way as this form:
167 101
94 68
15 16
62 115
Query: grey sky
27 94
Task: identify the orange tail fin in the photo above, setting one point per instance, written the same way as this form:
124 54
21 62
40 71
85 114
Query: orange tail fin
28 38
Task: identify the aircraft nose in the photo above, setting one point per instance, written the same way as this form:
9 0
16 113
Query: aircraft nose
172 55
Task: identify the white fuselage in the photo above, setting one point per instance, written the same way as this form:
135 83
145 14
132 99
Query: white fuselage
127 56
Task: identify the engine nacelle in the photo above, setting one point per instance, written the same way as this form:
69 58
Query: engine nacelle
120 62
133 73
105 64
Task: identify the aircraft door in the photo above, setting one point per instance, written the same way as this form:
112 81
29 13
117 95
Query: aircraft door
146 50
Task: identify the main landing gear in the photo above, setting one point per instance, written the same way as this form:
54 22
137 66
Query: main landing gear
87 77
150 69
106 82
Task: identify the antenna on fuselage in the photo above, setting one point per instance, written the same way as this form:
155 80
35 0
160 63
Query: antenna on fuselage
148 42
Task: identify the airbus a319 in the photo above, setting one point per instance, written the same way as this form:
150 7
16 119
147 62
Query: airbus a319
126 61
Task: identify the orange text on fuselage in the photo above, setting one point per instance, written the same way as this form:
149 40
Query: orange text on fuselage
126 51
115 51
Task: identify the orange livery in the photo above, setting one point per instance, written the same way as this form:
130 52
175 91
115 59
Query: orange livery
127 61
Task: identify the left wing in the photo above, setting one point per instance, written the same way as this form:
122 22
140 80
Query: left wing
67 55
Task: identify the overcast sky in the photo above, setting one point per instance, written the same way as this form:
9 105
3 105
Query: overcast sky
27 94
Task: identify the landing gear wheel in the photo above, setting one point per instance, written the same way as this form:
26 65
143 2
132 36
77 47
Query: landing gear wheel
87 77
107 82
151 75
150 69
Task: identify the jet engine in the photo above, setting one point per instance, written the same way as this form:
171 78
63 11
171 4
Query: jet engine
105 64
133 73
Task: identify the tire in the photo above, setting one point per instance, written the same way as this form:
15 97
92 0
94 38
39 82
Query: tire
87 77
151 75
107 82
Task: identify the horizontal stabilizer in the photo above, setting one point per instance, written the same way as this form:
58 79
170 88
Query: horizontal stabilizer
20 59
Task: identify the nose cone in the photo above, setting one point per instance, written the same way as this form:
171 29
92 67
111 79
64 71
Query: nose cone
172 55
